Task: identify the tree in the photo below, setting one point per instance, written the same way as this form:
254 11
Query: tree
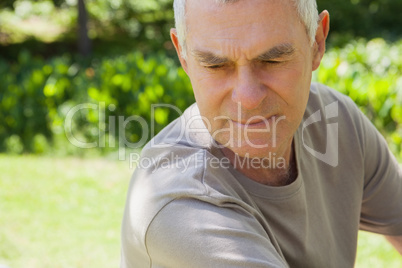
84 43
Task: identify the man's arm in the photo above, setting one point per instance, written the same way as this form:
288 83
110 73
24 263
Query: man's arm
382 197
192 233
396 241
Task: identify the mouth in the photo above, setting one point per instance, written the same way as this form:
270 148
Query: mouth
256 122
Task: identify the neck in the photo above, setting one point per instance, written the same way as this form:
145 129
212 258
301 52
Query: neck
278 169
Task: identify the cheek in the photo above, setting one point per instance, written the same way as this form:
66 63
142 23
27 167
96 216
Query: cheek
207 93
290 83
209 89
210 93
291 86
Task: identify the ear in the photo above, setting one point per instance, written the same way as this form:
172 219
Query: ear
176 43
320 38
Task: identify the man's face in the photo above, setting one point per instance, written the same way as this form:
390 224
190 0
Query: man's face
250 65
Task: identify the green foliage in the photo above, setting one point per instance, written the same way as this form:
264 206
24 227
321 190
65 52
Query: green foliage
148 21
370 74
141 24
36 96
365 18
145 24
373 250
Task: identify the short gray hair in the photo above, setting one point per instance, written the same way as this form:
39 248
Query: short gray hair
307 10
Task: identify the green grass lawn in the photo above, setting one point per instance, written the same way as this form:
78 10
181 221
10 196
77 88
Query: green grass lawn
67 213
61 212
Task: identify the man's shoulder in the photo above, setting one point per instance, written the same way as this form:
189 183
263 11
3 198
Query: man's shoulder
332 105
175 158
187 131
161 176
332 125
177 163
322 96
165 172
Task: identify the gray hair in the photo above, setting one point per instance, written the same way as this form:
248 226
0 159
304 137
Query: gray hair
307 10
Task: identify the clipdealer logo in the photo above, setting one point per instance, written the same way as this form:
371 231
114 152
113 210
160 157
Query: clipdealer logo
182 163
331 155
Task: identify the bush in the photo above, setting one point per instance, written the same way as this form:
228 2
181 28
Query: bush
145 24
37 95
364 18
370 74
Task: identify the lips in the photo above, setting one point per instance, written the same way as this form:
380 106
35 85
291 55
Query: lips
258 122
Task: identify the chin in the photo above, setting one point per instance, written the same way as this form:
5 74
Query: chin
255 147
252 152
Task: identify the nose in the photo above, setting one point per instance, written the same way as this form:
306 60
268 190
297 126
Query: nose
248 90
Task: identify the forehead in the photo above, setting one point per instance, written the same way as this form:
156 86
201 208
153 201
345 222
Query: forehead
244 24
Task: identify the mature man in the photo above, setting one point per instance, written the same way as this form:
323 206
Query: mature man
266 169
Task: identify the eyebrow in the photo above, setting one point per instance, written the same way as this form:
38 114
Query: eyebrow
279 51
209 58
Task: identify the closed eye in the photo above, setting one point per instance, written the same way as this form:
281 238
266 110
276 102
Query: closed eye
271 61
213 66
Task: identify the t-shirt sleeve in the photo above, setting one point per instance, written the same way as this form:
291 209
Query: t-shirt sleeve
194 233
382 197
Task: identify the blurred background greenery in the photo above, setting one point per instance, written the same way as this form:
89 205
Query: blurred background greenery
116 54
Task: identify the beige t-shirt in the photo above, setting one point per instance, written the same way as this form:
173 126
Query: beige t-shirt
188 207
